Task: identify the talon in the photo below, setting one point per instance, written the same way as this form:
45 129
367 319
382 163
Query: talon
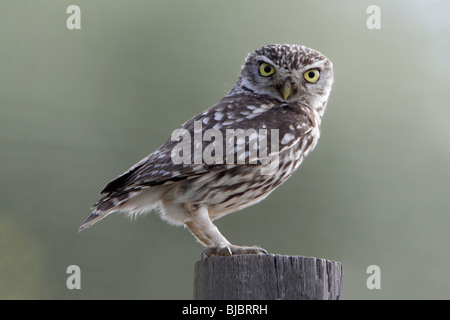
231 250
203 256
263 251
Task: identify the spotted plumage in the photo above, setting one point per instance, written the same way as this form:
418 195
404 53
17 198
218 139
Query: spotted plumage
270 121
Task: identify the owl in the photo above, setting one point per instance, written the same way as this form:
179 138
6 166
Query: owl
234 154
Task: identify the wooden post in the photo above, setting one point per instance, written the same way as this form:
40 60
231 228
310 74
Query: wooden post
267 277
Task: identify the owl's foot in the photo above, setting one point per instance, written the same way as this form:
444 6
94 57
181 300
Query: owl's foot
231 250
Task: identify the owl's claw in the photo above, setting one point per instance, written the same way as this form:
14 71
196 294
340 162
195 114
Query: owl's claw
231 250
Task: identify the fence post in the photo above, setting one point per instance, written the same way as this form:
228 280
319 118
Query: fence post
267 277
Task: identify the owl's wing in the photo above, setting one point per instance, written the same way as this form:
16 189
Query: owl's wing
284 124
155 169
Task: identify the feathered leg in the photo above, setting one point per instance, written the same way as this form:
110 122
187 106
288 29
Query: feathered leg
207 233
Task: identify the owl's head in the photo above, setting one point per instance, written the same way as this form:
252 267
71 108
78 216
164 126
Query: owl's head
288 73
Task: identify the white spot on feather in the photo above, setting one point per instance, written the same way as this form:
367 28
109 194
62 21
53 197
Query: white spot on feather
288 137
218 116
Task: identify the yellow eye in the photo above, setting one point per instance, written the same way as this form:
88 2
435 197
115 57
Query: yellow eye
266 69
312 75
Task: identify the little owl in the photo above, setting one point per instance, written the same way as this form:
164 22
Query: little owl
277 103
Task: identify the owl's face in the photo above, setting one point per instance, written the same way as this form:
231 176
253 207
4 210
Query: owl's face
288 73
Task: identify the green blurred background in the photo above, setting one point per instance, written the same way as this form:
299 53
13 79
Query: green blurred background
79 107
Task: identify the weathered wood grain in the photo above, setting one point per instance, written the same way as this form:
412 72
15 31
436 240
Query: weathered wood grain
267 277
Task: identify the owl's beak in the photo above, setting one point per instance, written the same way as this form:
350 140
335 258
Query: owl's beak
286 89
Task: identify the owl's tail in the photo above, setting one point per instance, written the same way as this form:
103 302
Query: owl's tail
106 205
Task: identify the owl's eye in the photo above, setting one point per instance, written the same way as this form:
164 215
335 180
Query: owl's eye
312 75
266 69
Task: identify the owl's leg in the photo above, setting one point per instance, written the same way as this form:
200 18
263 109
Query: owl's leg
202 227
198 233
206 232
